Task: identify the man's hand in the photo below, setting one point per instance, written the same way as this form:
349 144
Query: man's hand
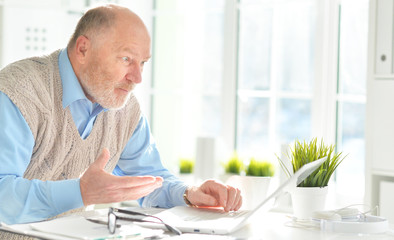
215 194
98 186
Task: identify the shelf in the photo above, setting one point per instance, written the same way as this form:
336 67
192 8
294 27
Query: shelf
383 173
384 76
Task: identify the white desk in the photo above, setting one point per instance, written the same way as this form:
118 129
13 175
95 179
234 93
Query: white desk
278 226
273 225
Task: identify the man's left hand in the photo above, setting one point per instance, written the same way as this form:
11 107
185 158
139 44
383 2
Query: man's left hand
215 194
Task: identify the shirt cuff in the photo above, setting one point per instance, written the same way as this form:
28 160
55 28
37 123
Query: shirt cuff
66 195
178 199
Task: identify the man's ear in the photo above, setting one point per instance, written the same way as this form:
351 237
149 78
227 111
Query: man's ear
82 45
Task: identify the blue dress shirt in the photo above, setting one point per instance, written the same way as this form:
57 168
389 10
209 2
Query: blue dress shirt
23 200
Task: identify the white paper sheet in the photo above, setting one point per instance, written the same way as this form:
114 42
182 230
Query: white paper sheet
77 227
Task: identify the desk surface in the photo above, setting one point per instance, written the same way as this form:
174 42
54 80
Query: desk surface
274 225
280 226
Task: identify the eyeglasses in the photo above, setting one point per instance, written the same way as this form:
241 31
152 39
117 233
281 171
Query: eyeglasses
112 217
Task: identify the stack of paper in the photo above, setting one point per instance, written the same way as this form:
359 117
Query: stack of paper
77 227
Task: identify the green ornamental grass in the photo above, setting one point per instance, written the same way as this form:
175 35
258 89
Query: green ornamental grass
260 168
234 165
304 152
186 165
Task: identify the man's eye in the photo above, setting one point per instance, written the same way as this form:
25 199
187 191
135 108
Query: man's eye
125 59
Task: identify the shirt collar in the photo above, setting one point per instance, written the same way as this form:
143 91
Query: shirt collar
72 89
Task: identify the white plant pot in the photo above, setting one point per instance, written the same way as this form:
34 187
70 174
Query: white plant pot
226 176
306 200
253 189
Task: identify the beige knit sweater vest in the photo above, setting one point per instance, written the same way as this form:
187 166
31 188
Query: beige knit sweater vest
59 153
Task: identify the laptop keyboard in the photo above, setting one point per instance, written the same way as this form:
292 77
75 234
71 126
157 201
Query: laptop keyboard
209 214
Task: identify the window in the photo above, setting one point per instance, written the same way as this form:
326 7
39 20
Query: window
276 73
187 75
258 74
351 95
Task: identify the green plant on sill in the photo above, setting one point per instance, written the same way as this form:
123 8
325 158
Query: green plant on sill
260 168
186 165
304 152
234 165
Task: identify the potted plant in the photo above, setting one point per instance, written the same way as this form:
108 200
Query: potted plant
260 168
234 166
254 186
186 167
309 196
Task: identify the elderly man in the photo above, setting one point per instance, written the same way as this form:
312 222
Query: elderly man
72 133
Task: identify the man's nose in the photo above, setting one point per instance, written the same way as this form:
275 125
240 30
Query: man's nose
134 74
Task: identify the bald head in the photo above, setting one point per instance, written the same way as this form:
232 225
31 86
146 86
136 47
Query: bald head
101 20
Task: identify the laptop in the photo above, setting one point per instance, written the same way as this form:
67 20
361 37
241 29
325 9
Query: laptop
217 221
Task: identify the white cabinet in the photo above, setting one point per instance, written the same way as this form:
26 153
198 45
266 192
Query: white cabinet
31 29
381 117
384 37
386 200
380 107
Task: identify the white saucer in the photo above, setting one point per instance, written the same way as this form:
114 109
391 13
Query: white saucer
367 224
